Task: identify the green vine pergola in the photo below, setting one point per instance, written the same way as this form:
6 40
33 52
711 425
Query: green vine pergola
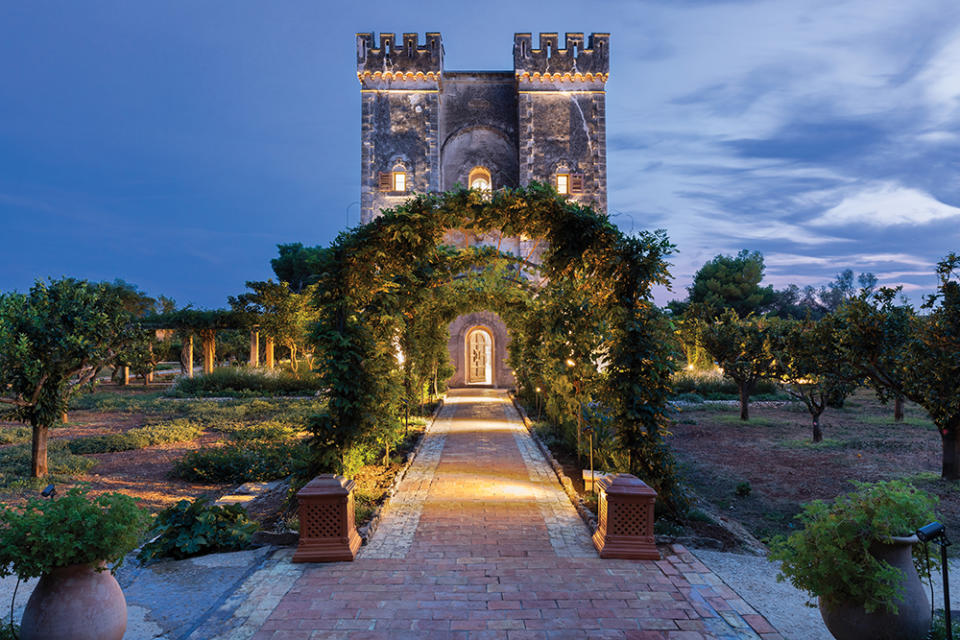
381 283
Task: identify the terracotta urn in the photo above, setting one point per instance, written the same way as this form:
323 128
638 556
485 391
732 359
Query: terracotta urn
76 602
850 621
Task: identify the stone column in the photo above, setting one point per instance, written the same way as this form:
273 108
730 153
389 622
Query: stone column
254 348
268 351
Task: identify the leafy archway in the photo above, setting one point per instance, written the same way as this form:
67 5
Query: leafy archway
591 326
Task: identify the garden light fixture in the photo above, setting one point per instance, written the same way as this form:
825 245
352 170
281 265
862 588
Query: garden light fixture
937 533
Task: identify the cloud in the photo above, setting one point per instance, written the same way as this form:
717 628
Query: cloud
886 204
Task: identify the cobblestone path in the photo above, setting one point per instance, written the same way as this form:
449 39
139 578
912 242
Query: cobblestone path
482 542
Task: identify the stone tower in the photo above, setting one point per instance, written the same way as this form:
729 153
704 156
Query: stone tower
427 129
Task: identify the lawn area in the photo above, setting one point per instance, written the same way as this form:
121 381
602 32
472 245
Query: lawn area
777 468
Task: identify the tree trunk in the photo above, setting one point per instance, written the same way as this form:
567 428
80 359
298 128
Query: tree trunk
38 451
64 418
744 388
817 433
125 377
293 356
950 438
254 348
898 409
268 352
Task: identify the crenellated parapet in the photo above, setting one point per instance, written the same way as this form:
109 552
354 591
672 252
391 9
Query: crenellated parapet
399 65
576 63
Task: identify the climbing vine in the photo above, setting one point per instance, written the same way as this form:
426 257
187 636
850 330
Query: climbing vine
587 332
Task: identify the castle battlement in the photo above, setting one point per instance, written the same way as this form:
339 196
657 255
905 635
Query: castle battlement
551 63
393 62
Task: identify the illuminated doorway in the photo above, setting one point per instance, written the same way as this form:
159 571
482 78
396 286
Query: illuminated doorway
479 356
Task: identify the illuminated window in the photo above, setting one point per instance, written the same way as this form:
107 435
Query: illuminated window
563 183
399 180
480 179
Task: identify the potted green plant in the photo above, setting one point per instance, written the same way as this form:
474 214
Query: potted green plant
859 555
68 542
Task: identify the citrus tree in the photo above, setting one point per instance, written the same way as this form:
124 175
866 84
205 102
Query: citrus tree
739 347
54 339
810 366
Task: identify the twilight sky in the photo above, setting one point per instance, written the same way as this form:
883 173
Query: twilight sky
174 144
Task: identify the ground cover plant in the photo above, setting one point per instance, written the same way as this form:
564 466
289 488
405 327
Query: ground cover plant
138 438
246 382
192 528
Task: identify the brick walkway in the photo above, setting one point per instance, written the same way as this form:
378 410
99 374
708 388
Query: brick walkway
482 542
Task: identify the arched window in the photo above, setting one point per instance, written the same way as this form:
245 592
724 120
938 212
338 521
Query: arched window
480 179
399 181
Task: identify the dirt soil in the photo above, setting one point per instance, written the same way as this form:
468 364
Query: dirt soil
773 462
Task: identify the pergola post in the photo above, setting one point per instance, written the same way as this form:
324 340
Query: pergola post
208 342
268 351
254 348
186 357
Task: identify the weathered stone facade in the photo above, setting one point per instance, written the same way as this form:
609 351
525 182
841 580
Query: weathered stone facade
426 129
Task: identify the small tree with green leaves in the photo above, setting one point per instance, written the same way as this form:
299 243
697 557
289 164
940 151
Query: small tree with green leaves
873 333
280 313
739 348
810 366
53 340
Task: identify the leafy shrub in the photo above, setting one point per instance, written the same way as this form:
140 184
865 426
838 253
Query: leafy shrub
938 628
15 461
713 385
163 433
248 461
240 382
71 529
193 528
830 557
743 489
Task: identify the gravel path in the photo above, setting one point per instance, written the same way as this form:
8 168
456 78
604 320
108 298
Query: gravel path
755 580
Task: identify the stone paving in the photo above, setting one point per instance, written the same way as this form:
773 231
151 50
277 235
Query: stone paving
481 542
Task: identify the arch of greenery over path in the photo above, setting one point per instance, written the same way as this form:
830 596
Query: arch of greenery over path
589 333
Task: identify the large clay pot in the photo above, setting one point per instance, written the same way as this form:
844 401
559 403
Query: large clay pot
912 622
75 602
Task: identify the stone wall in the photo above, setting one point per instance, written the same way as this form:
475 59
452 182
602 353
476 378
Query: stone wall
460 328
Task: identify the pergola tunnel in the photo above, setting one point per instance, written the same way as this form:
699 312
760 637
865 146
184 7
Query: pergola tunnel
583 338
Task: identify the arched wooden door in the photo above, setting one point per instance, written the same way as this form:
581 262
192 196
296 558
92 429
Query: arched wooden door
479 357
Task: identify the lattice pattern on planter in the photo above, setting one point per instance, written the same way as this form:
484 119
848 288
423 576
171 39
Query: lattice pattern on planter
629 519
324 520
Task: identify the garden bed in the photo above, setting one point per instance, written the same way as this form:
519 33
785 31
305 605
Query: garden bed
759 472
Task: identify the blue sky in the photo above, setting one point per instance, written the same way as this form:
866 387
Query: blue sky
175 144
